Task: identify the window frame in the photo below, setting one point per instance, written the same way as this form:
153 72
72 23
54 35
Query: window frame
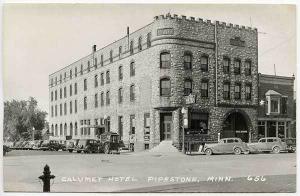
188 91
163 90
188 65
165 64
204 91
204 67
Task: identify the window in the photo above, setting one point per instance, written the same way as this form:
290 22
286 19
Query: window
70 90
274 105
165 60
120 51
60 110
65 129
55 95
199 122
75 106
147 120
95 63
75 88
101 58
247 68
96 100
140 44
102 99
187 61
121 127
132 69
96 80
107 98
165 87
65 92
248 91
88 66
204 88
71 129
107 77
111 56
226 90
52 112
55 110
131 47
52 96
51 83
148 40
55 80
146 146
102 79
261 129
85 84
65 108
70 73
120 95
132 124
81 69
75 72
65 76
237 91
283 102
71 108
85 103
132 92
76 129
60 129
237 67
187 87
120 73
60 93
226 65
204 63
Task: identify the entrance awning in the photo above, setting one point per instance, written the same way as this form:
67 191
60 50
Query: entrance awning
166 108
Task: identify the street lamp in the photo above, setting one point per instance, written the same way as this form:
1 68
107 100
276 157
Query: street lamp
33 129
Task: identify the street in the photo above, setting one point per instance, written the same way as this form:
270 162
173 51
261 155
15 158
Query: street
150 172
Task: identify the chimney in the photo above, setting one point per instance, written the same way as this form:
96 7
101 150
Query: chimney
94 48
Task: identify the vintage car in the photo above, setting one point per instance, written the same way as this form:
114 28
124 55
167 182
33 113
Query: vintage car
87 146
71 144
6 149
52 145
291 144
110 141
268 144
37 144
226 145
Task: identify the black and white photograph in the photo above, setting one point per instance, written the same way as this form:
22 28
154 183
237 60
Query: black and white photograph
149 98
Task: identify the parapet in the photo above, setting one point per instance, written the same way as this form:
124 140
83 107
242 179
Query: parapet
200 20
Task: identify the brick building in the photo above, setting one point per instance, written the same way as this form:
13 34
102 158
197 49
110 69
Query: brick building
140 83
276 111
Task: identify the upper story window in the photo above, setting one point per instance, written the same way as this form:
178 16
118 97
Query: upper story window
204 88
248 91
102 99
95 62
120 51
85 103
102 79
276 102
187 60
132 69
70 90
237 66
101 59
88 66
107 77
140 44
75 88
274 105
132 92
187 87
148 40
65 92
165 60
107 98
51 83
60 93
96 80
248 68
165 87
120 95
204 63
65 76
96 100
81 69
52 96
85 84
226 90
75 72
237 91
111 56
131 47
226 65
55 95
71 74
60 79
120 73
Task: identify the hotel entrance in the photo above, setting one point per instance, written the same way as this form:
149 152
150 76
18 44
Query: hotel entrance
166 126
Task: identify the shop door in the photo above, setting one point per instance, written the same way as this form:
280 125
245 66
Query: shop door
166 126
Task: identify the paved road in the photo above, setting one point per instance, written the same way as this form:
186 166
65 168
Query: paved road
137 171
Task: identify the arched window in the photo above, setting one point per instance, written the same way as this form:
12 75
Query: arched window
120 95
165 87
107 98
187 87
165 60
85 84
111 56
187 60
52 128
132 68
131 47
120 73
148 40
88 66
65 129
85 103
70 73
96 80
132 92
56 131
71 129
75 72
140 44
204 63
120 51
247 67
76 128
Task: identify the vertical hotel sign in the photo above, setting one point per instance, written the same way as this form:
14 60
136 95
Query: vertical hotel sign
190 99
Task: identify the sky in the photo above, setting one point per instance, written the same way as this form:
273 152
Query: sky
39 39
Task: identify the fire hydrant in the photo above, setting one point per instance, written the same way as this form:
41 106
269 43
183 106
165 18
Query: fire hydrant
46 178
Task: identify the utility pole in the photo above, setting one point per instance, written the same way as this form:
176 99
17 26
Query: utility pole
274 70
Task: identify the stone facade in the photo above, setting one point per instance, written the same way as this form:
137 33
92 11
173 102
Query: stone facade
176 36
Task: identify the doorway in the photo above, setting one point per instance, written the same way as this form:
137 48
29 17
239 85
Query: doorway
166 126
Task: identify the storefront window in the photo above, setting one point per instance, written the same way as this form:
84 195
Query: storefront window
261 129
199 121
281 129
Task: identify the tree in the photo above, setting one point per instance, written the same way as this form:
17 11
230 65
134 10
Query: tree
20 117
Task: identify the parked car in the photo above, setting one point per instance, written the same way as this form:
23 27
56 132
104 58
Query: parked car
291 144
87 145
226 145
71 144
6 149
268 144
110 141
52 145
37 144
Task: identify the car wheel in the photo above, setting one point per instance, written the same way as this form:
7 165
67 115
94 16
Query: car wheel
78 151
237 151
276 150
106 148
208 151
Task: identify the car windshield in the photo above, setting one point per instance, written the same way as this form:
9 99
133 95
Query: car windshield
270 140
262 140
